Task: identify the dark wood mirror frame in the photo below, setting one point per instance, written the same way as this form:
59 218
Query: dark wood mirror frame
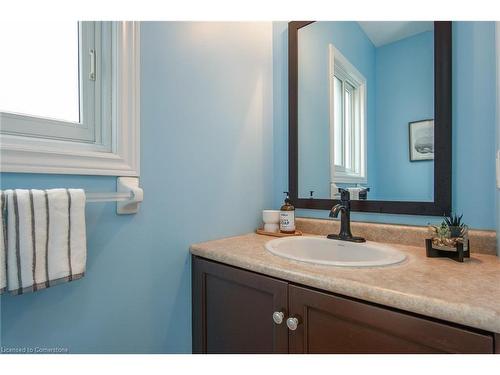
442 134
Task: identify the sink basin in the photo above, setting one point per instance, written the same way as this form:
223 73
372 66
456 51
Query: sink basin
320 250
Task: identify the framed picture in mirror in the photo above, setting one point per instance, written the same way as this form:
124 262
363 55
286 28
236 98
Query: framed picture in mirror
421 140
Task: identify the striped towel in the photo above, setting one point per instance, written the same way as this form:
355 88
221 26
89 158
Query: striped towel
3 244
46 238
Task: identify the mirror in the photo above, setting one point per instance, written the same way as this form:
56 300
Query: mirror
371 114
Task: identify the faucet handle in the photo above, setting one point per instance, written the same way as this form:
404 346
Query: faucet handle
344 194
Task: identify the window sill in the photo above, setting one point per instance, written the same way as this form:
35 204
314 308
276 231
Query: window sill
37 156
346 179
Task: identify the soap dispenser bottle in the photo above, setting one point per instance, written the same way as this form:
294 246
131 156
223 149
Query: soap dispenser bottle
287 216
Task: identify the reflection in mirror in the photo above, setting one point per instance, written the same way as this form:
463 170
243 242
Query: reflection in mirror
366 110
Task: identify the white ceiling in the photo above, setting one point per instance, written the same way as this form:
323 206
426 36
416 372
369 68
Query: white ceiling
385 32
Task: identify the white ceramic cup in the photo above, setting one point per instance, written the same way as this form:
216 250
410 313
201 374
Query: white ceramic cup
272 228
271 219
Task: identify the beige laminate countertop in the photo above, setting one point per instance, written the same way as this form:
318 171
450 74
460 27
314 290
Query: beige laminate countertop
466 293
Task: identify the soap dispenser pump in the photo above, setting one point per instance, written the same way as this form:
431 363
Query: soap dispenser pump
287 216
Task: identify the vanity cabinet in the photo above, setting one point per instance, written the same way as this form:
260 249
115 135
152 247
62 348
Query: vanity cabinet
233 310
233 313
334 324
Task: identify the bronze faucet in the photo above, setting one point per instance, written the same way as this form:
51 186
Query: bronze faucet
345 218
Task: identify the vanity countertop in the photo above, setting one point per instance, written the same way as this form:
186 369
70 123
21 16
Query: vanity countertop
465 293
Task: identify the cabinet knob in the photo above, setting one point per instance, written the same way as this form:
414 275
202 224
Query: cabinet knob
292 323
278 317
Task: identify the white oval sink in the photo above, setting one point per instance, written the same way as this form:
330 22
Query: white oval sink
320 250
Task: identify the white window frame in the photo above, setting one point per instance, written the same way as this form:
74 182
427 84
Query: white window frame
102 150
338 61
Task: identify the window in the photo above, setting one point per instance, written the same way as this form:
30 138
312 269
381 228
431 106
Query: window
347 121
25 76
69 99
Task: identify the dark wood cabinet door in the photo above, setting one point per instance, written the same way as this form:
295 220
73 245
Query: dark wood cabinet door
333 324
233 310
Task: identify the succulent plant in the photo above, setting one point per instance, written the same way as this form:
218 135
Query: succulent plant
455 225
454 220
441 231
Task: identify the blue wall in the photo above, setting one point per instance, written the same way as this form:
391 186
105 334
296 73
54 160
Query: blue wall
314 98
473 126
404 93
280 111
206 170
497 44
474 122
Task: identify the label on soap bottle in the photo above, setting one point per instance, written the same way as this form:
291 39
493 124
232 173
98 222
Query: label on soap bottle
287 221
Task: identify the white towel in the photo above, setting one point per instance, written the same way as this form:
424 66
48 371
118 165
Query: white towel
3 243
46 238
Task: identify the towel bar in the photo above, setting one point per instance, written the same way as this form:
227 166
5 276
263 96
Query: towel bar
108 197
127 197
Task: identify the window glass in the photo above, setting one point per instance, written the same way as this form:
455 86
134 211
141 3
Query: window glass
348 146
337 111
348 127
32 62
